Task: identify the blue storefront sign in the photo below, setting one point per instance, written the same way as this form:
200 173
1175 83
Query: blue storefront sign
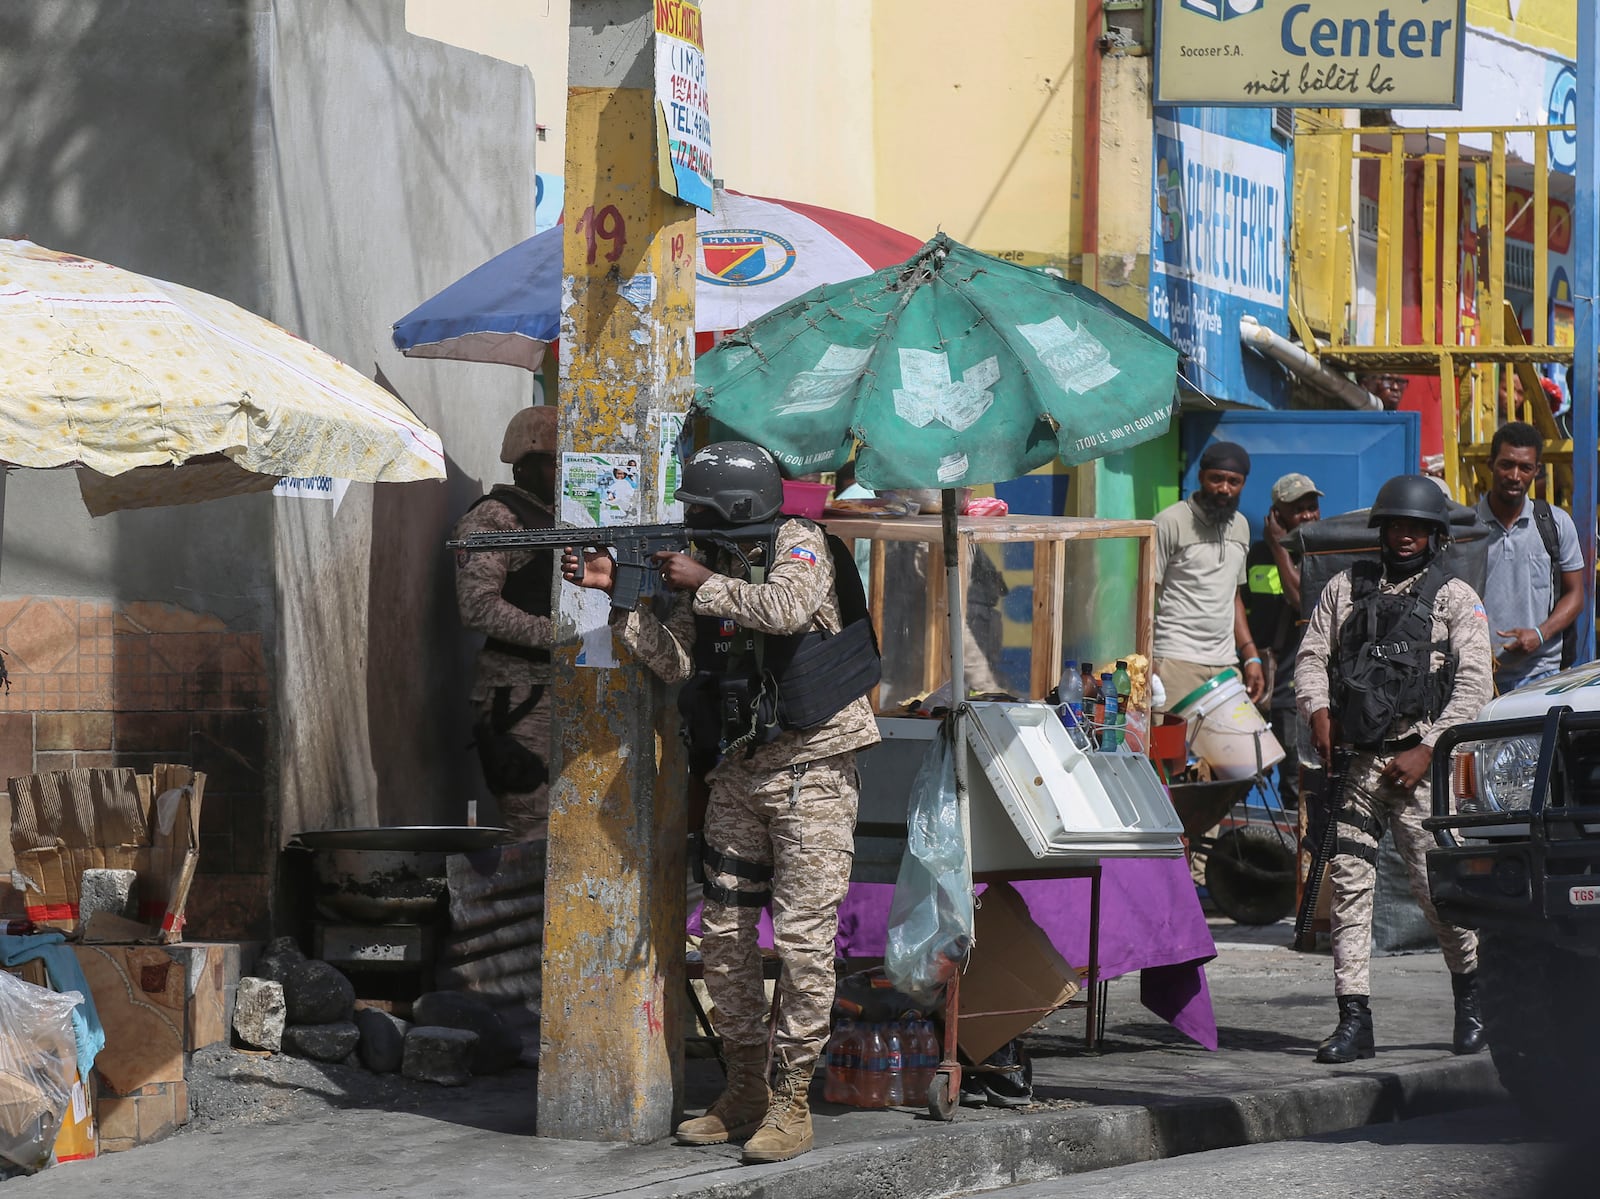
1219 245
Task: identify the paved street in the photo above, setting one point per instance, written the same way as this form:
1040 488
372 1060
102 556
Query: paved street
1487 1152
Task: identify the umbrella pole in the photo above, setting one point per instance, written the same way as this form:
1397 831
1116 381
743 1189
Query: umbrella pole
958 684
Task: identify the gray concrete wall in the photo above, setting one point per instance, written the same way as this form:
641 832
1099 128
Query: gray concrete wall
126 138
390 166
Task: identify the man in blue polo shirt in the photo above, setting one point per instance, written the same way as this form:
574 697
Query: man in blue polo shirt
1530 594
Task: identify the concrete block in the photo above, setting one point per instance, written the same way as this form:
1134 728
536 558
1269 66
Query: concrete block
259 1014
107 891
441 1055
323 1042
383 1037
316 993
499 1046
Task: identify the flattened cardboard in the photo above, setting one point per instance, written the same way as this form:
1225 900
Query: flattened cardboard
69 821
1013 969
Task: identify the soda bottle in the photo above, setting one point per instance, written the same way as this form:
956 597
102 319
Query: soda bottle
894 1041
874 1088
836 1084
1122 682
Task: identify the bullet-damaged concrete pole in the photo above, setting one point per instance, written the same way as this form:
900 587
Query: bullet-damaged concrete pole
611 1064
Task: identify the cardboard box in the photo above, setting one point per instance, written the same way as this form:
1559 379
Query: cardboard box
1014 972
69 821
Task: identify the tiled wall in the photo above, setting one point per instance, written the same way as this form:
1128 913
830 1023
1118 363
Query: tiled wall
95 683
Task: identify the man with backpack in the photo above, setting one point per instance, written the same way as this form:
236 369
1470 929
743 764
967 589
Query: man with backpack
1534 585
1395 653
771 637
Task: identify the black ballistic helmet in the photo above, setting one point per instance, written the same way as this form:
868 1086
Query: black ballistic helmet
1415 496
738 480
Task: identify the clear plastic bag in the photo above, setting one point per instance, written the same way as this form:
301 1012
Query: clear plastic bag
930 919
38 1062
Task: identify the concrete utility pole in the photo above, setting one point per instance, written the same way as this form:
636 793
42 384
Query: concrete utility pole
611 1064
1586 316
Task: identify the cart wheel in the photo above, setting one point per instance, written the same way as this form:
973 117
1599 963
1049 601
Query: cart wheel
941 1106
1250 872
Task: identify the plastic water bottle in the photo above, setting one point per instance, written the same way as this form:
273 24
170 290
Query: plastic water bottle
1111 724
1070 694
894 1041
874 1088
838 1085
923 1059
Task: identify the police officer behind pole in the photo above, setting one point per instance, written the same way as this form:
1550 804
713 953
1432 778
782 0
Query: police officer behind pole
506 596
780 817
1394 655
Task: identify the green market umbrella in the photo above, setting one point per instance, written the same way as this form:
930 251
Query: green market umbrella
955 368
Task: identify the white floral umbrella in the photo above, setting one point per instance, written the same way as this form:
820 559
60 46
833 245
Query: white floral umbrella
127 377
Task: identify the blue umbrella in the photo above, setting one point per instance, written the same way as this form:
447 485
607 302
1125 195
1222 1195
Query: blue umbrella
500 312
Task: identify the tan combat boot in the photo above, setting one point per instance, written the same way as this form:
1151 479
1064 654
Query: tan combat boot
786 1131
739 1109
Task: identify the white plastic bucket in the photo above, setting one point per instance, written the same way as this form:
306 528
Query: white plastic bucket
1225 728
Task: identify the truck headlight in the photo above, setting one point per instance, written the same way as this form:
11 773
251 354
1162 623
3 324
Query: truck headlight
1495 776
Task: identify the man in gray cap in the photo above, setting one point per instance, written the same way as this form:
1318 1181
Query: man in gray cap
1273 604
1201 546
506 596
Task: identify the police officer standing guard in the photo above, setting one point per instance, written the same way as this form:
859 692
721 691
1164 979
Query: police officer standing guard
506 596
1394 654
780 817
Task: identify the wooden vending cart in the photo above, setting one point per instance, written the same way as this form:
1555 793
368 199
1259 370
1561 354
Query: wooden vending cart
1034 590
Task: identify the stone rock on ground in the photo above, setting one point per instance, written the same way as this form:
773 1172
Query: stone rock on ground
324 1042
441 1055
259 1013
383 1040
280 954
317 993
499 1045
107 891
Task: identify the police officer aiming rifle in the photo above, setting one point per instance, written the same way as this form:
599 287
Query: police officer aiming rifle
1396 652
776 653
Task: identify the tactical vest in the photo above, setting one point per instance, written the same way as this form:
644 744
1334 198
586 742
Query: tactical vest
749 687
1382 673
529 587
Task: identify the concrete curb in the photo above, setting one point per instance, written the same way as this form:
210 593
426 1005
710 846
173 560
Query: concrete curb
1035 1147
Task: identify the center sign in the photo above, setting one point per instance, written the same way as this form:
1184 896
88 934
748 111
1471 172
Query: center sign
1311 53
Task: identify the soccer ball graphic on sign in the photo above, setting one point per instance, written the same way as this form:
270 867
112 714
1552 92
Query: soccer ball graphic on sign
1221 10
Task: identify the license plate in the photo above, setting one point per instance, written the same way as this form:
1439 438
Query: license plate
1580 896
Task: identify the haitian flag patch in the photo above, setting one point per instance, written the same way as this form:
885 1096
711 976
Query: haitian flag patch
803 554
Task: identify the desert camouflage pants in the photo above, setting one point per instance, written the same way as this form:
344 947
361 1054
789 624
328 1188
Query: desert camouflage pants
1370 806
804 825
525 813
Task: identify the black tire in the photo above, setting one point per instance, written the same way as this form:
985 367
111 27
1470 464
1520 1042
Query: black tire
940 1105
1545 1045
1250 872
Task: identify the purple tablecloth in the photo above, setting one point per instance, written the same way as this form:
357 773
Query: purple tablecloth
1150 921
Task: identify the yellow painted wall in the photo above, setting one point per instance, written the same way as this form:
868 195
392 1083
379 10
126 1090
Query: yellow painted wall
1550 24
923 114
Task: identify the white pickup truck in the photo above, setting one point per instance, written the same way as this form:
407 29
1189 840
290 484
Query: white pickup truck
1516 802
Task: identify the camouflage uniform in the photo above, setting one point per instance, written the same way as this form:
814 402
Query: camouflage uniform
480 578
792 802
1458 618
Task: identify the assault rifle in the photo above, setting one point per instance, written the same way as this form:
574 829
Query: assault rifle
633 546
1327 843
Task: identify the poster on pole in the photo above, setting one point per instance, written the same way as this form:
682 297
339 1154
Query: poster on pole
1311 53
596 490
683 113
